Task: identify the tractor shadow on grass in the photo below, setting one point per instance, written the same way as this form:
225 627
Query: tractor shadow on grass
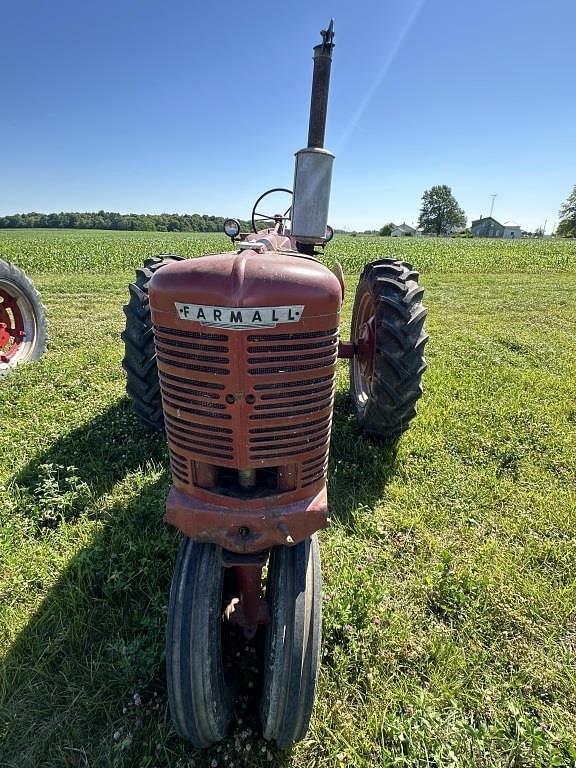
86 463
360 466
84 684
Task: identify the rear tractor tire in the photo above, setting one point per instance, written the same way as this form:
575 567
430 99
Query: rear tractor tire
389 337
23 326
142 385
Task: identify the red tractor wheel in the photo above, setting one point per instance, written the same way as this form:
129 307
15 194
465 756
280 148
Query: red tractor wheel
139 361
389 338
23 328
292 655
200 695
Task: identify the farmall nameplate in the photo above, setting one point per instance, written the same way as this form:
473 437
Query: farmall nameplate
238 318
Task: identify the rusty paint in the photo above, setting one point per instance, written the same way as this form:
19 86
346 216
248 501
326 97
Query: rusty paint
242 528
346 350
248 404
251 609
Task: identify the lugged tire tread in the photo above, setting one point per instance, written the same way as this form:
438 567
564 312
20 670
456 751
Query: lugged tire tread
400 339
142 385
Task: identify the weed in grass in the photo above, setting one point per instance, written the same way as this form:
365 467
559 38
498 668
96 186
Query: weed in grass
59 494
452 592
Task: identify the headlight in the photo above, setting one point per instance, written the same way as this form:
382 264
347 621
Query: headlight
232 228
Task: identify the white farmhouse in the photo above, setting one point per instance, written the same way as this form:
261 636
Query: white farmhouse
404 230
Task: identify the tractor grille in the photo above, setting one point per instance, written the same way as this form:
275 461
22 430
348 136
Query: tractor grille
179 467
190 364
193 350
313 470
292 376
247 400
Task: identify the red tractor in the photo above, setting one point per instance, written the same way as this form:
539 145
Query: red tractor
23 329
235 355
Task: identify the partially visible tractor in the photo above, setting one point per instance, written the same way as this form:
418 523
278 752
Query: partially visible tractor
235 355
23 327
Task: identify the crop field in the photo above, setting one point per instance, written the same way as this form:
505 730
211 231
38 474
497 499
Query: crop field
101 251
449 568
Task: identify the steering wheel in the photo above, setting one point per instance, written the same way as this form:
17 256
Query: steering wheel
277 217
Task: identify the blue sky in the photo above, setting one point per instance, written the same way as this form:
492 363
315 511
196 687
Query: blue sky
198 107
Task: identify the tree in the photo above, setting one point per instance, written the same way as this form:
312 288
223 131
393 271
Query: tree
440 211
387 229
567 226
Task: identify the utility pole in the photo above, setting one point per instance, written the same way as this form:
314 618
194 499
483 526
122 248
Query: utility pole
494 196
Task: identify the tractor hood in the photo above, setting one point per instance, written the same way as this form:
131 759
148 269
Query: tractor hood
280 287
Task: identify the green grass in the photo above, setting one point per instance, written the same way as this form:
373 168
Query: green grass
449 568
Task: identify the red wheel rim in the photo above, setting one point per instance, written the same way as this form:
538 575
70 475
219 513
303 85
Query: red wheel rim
364 342
12 331
17 324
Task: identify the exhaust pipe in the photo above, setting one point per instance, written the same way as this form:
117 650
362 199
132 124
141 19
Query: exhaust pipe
313 170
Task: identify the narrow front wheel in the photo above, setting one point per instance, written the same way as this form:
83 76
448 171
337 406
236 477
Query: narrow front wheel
292 653
199 693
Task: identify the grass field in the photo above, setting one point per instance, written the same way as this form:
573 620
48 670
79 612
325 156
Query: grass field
449 568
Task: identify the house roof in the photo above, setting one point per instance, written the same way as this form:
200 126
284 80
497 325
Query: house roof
486 218
507 224
405 227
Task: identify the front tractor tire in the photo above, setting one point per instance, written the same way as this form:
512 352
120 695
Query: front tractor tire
200 695
293 636
389 338
142 384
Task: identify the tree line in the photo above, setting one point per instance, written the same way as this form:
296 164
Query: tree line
439 214
162 222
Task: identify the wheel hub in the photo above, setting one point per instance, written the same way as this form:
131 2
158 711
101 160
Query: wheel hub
12 332
365 348
364 345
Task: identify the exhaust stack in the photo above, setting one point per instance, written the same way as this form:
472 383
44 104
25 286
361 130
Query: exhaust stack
313 170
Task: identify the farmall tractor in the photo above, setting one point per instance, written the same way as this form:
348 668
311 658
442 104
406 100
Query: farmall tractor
235 355
23 328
